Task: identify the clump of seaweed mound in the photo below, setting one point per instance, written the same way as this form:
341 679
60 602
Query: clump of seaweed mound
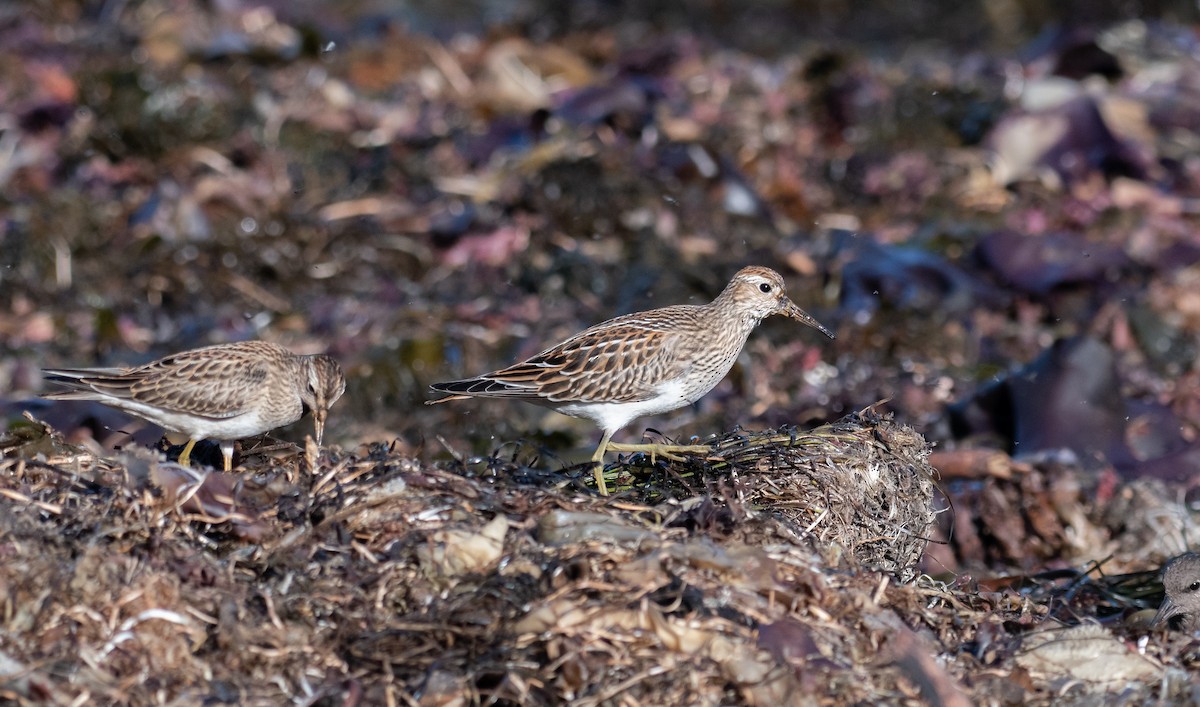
859 491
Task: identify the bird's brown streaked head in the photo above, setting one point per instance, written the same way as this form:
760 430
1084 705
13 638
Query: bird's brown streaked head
761 292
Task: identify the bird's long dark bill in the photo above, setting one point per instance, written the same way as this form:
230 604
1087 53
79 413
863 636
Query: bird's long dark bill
791 310
1166 612
319 425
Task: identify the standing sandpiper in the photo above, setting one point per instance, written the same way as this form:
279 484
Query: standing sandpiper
224 392
644 363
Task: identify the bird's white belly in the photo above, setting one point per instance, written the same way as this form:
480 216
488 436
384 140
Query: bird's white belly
196 427
612 416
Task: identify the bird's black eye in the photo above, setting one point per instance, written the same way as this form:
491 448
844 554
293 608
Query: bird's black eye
1194 586
764 287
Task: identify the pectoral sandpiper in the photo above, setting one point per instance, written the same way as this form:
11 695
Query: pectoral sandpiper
644 363
224 392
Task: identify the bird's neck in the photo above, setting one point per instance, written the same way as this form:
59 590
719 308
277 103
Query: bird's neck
725 312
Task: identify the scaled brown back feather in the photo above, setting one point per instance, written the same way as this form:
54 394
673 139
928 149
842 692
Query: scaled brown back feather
233 382
566 372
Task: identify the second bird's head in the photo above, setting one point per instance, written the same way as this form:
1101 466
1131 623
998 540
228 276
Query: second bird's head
324 384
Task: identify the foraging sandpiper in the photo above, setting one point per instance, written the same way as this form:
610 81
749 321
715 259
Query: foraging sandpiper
224 392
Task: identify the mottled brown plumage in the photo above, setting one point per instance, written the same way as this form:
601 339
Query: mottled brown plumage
641 364
225 392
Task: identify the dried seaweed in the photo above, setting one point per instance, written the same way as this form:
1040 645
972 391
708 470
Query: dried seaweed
862 485
859 491
379 579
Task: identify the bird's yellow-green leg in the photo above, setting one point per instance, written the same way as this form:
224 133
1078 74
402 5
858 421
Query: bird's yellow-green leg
227 453
186 454
669 451
598 463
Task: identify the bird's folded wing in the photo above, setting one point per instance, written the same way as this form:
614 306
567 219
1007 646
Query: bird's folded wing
618 364
197 385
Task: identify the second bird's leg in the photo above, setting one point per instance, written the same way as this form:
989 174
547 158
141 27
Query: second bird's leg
186 454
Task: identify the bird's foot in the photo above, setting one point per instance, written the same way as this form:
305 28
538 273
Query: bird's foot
673 452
